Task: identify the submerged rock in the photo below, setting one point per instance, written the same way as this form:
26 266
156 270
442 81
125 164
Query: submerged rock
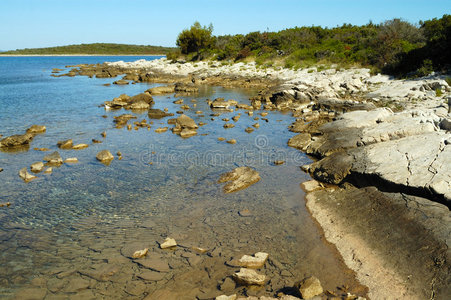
240 178
23 173
80 146
310 287
249 277
104 156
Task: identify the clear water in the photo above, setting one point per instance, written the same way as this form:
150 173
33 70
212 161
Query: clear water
84 217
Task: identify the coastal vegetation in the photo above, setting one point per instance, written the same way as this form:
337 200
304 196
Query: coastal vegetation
94 49
394 46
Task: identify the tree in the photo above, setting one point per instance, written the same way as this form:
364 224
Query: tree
195 39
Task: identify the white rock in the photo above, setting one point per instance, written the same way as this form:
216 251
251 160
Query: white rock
140 253
249 277
168 243
255 262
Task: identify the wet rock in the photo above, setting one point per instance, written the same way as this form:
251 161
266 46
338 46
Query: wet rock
123 119
130 248
121 82
185 107
245 213
36 129
104 156
80 146
200 250
141 105
48 170
227 285
143 97
140 253
71 160
310 287
244 106
220 103
16 140
229 125
159 90
168 243
300 141
103 134
236 118
279 162
1 169
240 178
249 129
232 141
310 186
23 173
158 114
256 125
249 277
53 158
161 129
179 101
185 126
221 139
41 149
149 275
66 144
254 262
94 141
37 167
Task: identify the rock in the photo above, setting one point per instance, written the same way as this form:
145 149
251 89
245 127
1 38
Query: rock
300 141
154 263
159 90
224 297
123 119
101 272
36 129
80 146
263 114
41 149
179 101
168 243
244 106
249 129
445 124
232 141
76 285
67 144
254 262
221 139
143 97
310 186
245 213
149 275
141 105
256 125
186 133
227 285
37 167
71 160
16 140
140 253
121 82
48 170
161 129
236 118
53 158
158 114
310 287
199 250
240 178
229 125
103 134
104 156
249 277
94 141
23 173
279 162
31 294
219 103
1 169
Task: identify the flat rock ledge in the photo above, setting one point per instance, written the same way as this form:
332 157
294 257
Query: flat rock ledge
405 151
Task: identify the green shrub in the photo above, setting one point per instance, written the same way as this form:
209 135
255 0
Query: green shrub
438 92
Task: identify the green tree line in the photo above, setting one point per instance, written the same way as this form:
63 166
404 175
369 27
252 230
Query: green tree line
394 46
96 48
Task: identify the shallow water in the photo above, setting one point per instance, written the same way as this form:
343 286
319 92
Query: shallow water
67 234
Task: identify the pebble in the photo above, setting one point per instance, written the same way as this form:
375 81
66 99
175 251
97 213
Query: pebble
168 243
221 139
140 253
72 160
232 141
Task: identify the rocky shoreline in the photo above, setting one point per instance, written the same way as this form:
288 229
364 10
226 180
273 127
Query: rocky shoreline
382 188
384 142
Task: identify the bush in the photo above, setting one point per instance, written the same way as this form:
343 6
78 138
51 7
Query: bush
195 39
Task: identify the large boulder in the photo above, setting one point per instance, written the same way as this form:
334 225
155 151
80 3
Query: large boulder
16 140
36 129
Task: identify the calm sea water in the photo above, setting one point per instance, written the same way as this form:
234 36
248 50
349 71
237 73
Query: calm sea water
84 218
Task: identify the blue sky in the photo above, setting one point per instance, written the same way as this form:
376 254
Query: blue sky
41 23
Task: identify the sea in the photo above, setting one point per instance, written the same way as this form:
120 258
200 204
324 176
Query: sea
70 234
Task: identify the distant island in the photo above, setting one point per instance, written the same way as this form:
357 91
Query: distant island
94 49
